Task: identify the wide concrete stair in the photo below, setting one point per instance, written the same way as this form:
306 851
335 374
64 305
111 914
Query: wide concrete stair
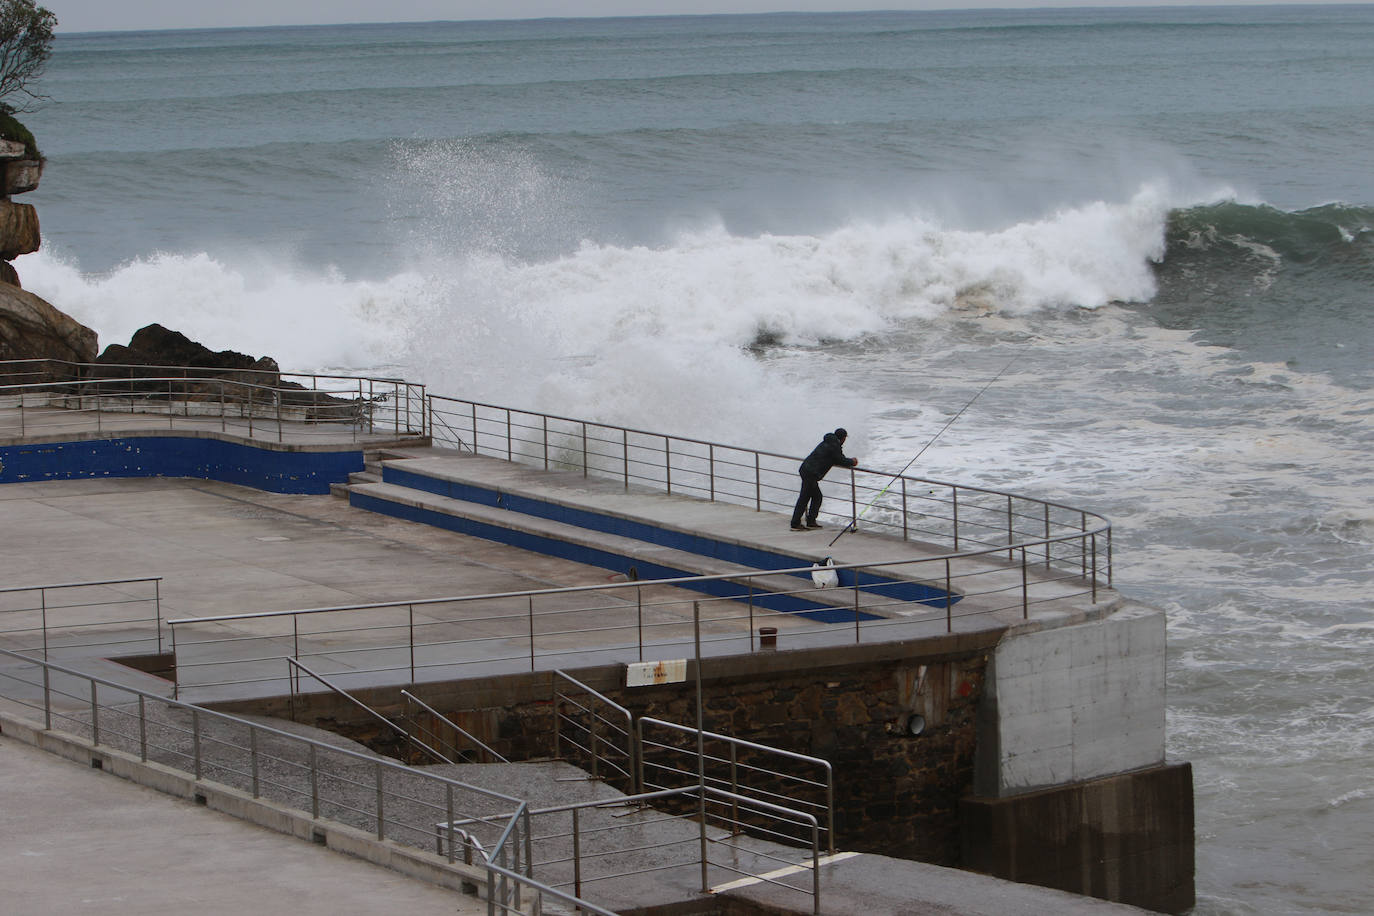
637 533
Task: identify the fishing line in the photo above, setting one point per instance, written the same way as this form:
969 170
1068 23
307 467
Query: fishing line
854 523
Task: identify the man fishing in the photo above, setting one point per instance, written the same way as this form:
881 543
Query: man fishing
823 457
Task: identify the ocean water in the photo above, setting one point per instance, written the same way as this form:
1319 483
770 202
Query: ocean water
1159 222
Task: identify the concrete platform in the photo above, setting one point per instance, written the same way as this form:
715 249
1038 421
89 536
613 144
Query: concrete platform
222 549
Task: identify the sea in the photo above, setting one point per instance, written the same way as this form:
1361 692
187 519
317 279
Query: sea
1135 246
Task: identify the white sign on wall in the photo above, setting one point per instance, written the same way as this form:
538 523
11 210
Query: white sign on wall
647 674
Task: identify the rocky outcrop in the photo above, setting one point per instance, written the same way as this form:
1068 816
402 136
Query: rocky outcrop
155 345
19 172
30 328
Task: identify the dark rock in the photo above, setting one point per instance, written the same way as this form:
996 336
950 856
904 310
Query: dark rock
31 328
157 347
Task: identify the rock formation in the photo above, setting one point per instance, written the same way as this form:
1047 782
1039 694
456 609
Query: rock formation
155 345
30 328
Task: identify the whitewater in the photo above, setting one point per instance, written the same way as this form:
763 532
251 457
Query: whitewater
753 229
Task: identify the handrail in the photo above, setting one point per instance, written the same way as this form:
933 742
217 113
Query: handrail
594 739
451 724
295 688
829 778
44 608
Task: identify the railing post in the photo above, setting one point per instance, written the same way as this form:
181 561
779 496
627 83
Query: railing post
1093 536
381 805
410 615
448 807
584 448
639 617
954 501
195 739
668 464
474 429
1083 546
95 717
1011 528
1047 535
253 758
592 739
949 599
854 498
314 782
43 602
734 790
546 441
711 465
904 510
142 729
751 614
510 443
157 611
279 419
625 457
1025 588
577 855
758 485
47 699
531 618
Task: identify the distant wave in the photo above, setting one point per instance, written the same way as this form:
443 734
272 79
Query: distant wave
1302 236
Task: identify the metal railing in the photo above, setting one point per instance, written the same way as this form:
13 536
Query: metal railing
581 850
393 801
938 512
441 743
594 732
258 403
538 629
742 768
34 617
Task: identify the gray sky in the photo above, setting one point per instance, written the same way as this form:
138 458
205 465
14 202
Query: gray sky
103 15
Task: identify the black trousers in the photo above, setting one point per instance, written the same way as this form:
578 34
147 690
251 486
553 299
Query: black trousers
809 501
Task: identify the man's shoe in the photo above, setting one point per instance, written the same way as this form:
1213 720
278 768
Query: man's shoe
798 527
814 524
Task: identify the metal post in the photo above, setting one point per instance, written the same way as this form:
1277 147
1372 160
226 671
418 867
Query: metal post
43 602
157 611
668 464
531 601
410 614
95 717
381 805
751 613
949 600
1025 588
625 456
448 808
171 410
711 464
279 420
142 729
734 790
1011 533
510 444
584 448
592 738
1047 535
1094 578
546 441
474 429
954 501
904 510
314 784
1083 547
47 699
577 856
639 616
701 745
253 758
758 485
195 738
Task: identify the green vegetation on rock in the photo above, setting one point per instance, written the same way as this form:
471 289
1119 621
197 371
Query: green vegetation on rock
11 129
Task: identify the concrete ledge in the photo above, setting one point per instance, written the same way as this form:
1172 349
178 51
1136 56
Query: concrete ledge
338 837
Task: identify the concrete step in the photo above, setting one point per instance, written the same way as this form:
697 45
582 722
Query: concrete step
631 557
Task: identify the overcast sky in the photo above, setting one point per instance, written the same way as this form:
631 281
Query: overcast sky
105 15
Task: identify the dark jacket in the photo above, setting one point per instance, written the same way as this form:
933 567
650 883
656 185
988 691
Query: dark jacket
826 456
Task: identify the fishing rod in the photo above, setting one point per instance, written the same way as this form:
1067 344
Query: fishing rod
854 523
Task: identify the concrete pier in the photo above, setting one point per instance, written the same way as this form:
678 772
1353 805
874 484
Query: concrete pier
1058 696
